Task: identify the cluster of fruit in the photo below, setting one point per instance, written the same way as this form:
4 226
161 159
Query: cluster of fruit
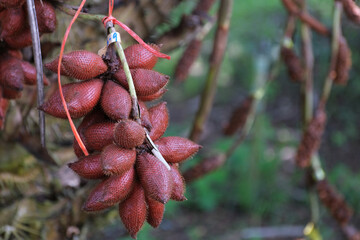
120 152
14 35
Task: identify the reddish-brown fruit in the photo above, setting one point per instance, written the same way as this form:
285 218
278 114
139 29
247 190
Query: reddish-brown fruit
115 101
110 191
343 62
11 73
133 210
81 98
154 96
128 134
30 74
207 165
99 135
12 21
95 116
178 189
116 160
147 82
154 177
176 149
311 139
239 116
46 16
88 167
293 64
16 54
80 64
334 202
203 6
4 103
155 212
11 3
139 57
11 93
187 60
145 117
352 10
159 117
19 40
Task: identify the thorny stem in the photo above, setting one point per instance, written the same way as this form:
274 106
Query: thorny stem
334 52
219 47
39 66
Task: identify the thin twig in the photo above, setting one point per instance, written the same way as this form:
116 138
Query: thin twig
39 66
334 53
85 16
219 47
306 18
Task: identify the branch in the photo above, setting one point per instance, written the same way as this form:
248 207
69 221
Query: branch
306 18
82 15
219 47
39 66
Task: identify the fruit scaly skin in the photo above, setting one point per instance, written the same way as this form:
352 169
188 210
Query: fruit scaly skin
116 160
139 57
159 117
99 135
115 101
88 167
178 189
82 65
30 74
154 177
128 134
155 212
81 98
110 191
176 149
133 210
146 82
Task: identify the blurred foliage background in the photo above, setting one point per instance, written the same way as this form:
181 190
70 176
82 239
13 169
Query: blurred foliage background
259 186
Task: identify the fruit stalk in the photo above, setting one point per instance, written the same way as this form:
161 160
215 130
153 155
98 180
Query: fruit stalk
121 54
